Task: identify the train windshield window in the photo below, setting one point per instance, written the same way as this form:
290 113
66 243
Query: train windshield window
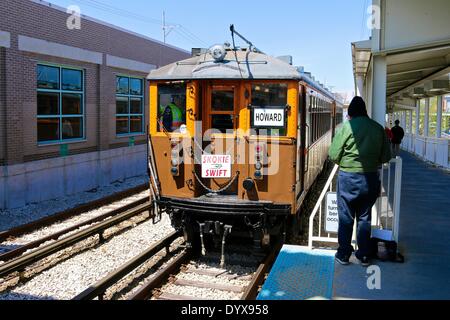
222 100
270 95
172 106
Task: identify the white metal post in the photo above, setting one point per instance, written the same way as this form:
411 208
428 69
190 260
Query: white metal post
404 119
397 197
411 122
426 125
379 90
440 106
417 117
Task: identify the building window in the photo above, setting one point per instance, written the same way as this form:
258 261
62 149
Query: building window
60 104
129 105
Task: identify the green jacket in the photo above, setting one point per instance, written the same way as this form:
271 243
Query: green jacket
360 146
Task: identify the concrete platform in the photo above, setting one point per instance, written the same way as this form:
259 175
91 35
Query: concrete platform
424 241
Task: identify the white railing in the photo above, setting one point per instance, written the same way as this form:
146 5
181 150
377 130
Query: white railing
434 150
385 213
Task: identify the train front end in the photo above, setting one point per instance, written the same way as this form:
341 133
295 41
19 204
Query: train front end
224 151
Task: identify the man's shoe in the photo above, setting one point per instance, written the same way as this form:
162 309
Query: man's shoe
364 261
341 259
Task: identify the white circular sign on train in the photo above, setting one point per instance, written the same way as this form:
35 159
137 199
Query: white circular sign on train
268 118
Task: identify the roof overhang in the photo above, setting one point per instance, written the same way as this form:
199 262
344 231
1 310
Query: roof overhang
361 53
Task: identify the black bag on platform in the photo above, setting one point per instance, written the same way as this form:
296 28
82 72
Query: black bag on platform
385 250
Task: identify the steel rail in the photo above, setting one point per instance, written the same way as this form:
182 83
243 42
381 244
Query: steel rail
251 292
34 244
98 289
20 230
20 263
161 276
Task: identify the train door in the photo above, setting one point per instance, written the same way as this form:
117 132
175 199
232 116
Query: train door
220 121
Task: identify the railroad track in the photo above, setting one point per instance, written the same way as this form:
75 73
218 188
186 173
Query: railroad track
191 278
22 267
16 252
69 213
98 290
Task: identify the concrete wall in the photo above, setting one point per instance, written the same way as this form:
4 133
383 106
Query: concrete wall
48 179
413 22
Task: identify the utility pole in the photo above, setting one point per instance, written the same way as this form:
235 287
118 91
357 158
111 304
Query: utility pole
166 28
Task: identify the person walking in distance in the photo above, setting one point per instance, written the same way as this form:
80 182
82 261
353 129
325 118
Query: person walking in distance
397 136
360 147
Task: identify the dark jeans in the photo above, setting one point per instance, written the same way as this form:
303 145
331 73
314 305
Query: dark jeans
357 193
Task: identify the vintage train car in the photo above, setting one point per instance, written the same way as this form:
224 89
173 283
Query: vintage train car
236 139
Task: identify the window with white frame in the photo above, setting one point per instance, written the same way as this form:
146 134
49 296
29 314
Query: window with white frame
129 105
60 104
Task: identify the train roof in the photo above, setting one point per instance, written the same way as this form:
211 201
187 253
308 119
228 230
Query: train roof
249 65
235 65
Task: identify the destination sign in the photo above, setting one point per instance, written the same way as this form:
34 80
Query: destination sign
268 118
216 166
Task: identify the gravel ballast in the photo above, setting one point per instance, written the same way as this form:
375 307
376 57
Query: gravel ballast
15 217
71 277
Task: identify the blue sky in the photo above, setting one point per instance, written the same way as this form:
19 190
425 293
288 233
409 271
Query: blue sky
317 33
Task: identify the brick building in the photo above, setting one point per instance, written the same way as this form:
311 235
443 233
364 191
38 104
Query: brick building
72 102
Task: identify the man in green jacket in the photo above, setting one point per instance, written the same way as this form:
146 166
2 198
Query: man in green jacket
360 147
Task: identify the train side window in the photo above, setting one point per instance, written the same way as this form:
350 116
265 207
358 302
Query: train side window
172 106
270 95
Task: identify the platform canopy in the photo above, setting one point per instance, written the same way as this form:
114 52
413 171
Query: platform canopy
418 72
412 72
361 53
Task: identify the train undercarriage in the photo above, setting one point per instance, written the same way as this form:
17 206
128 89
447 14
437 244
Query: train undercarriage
212 219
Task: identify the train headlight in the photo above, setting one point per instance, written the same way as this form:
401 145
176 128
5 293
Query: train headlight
218 53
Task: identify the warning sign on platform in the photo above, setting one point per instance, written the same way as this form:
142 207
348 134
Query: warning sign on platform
331 213
216 166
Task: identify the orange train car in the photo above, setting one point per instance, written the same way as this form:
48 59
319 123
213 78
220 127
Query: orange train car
236 140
